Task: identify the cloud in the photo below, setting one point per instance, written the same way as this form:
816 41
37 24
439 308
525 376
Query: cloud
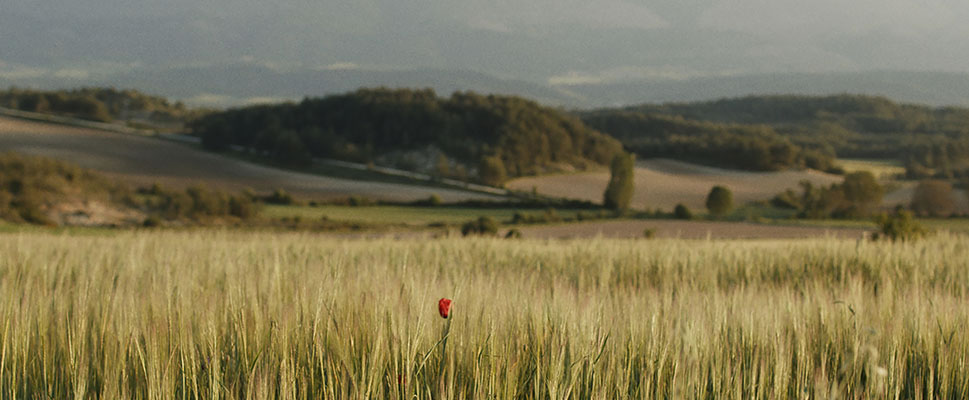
633 73
512 15
341 66
14 72
72 73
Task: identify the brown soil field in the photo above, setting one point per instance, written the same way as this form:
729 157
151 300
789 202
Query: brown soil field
144 160
662 183
685 230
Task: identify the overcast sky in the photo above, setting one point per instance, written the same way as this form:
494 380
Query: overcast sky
560 41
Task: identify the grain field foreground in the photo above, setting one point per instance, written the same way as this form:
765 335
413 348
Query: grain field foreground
170 315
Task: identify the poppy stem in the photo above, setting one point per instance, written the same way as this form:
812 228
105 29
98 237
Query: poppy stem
447 332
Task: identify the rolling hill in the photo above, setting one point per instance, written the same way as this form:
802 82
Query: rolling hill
145 160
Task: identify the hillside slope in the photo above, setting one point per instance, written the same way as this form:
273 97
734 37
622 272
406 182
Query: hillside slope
143 161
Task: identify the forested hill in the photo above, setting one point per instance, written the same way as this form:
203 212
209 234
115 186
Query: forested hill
930 141
749 147
98 104
488 138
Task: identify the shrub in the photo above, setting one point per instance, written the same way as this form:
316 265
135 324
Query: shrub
480 226
242 207
513 234
719 201
787 199
900 225
933 198
682 212
359 201
151 222
281 197
649 233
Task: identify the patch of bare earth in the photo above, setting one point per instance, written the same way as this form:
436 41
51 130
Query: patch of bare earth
144 160
685 230
92 213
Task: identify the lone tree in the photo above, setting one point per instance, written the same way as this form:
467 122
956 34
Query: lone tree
862 192
933 198
719 201
620 189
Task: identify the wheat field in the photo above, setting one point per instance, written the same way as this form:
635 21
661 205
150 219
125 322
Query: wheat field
227 315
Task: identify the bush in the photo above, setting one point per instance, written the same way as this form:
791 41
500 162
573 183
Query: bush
900 225
434 200
649 233
151 222
682 212
933 198
513 234
787 199
280 197
480 226
359 201
719 201
242 207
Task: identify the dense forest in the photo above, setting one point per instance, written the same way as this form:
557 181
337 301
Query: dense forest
929 141
487 138
750 147
97 104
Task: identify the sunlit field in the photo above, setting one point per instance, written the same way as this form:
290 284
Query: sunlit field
169 315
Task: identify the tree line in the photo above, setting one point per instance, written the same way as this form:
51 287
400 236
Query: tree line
930 141
96 104
748 147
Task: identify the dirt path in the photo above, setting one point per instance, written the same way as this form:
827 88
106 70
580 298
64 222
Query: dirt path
144 160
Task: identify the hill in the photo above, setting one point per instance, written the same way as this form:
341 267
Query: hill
738 146
100 105
47 191
929 141
142 161
466 136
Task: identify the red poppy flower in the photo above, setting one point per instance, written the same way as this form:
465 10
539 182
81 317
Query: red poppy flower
444 307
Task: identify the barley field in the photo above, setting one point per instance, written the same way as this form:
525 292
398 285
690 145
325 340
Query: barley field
224 315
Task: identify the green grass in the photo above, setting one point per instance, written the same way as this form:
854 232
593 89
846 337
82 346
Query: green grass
171 315
410 215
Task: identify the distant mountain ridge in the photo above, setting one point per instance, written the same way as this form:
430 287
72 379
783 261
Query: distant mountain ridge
926 88
237 84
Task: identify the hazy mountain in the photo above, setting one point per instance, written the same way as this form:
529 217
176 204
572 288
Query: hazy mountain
539 41
930 88
244 83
